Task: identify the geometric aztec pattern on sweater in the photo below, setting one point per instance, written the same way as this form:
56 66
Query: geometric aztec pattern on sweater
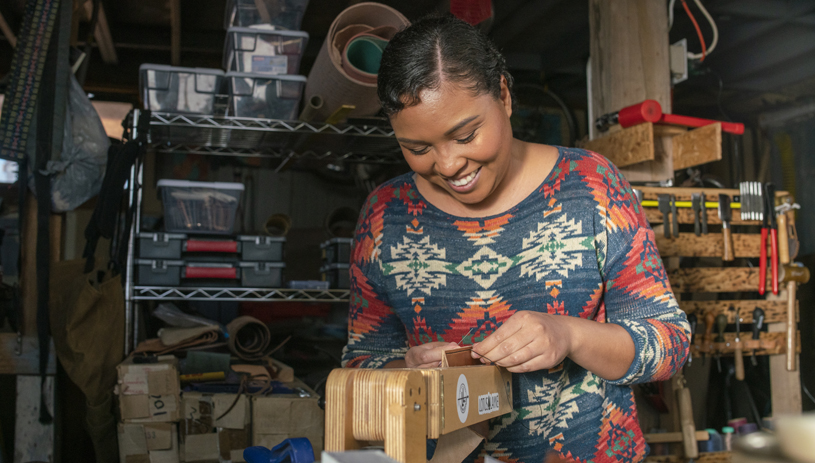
578 246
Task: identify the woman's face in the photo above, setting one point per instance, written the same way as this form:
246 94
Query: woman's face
458 142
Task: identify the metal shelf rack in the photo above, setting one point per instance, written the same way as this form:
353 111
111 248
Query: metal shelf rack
165 293
232 136
241 136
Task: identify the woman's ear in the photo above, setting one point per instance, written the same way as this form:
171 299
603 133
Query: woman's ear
506 96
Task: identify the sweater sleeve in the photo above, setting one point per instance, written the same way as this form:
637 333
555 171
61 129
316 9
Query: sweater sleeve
376 335
638 295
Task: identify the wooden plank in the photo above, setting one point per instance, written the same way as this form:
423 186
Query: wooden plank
698 146
772 343
716 280
28 272
686 216
774 311
628 146
629 54
710 245
33 441
27 363
662 437
684 194
785 386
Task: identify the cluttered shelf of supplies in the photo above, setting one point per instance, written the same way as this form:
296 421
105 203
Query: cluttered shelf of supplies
252 137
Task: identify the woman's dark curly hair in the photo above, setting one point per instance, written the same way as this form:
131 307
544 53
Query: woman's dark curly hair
434 49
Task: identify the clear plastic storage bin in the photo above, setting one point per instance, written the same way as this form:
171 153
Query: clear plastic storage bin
265 97
263 51
179 90
199 207
282 14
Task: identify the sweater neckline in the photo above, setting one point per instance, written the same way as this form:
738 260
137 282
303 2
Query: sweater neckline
548 179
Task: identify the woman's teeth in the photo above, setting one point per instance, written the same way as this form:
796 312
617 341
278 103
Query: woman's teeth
466 179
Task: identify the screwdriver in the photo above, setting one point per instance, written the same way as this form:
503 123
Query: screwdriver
758 322
737 353
721 323
693 321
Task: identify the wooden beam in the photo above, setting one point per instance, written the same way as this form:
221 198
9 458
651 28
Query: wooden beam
102 33
28 362
7 32
774 311
686 216
175 31
716 280
28 270
698 146
785 387
628 146
707 457
710 245
684 194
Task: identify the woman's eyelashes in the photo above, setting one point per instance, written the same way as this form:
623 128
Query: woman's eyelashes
468 138
425 149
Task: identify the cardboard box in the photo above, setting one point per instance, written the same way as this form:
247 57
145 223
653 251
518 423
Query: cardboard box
472 394
280 416
206 435
148 443
149 392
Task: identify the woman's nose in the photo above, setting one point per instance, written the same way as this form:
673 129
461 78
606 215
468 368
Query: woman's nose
449 163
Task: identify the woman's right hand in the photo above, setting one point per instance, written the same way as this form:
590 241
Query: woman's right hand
428 355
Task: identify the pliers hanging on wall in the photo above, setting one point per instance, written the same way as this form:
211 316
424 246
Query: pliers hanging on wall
769 226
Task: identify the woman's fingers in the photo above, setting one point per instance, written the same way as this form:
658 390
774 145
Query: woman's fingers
427 355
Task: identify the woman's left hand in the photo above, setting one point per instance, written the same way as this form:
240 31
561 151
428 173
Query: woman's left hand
528 341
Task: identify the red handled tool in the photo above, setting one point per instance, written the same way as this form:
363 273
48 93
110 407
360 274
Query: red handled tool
769 226
651 111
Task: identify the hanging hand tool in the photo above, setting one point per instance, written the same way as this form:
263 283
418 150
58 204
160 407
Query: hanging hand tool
693 321
651 111
787 233
721 323
758 322
665 209
708 338
674 218
696 201
792 275
725 214
738 355
704 214
770 226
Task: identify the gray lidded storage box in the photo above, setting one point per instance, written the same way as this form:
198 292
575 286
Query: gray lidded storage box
173 245
179 90
283 14
337 250
264 51
337 275
264 96
238 274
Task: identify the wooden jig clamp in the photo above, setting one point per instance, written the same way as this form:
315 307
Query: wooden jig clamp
405 407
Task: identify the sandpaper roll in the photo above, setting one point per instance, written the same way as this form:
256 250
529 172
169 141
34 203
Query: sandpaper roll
329 80
249 338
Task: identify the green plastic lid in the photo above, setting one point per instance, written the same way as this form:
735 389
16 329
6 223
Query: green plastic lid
711 431
728 430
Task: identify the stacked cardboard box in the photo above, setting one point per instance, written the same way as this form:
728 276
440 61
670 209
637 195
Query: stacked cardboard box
149 404
159 425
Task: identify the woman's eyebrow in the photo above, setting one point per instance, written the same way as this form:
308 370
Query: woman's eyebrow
461 124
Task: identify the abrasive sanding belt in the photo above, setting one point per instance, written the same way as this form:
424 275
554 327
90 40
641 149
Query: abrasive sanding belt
38 86
249 338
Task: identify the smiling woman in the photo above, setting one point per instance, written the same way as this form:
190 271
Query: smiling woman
538 256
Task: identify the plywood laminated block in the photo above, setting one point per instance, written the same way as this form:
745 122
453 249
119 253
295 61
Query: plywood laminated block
710 245
767 344
627 146
775 311
716 280
697 146
707 457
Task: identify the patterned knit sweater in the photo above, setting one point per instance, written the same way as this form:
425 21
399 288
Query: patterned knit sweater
578 246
